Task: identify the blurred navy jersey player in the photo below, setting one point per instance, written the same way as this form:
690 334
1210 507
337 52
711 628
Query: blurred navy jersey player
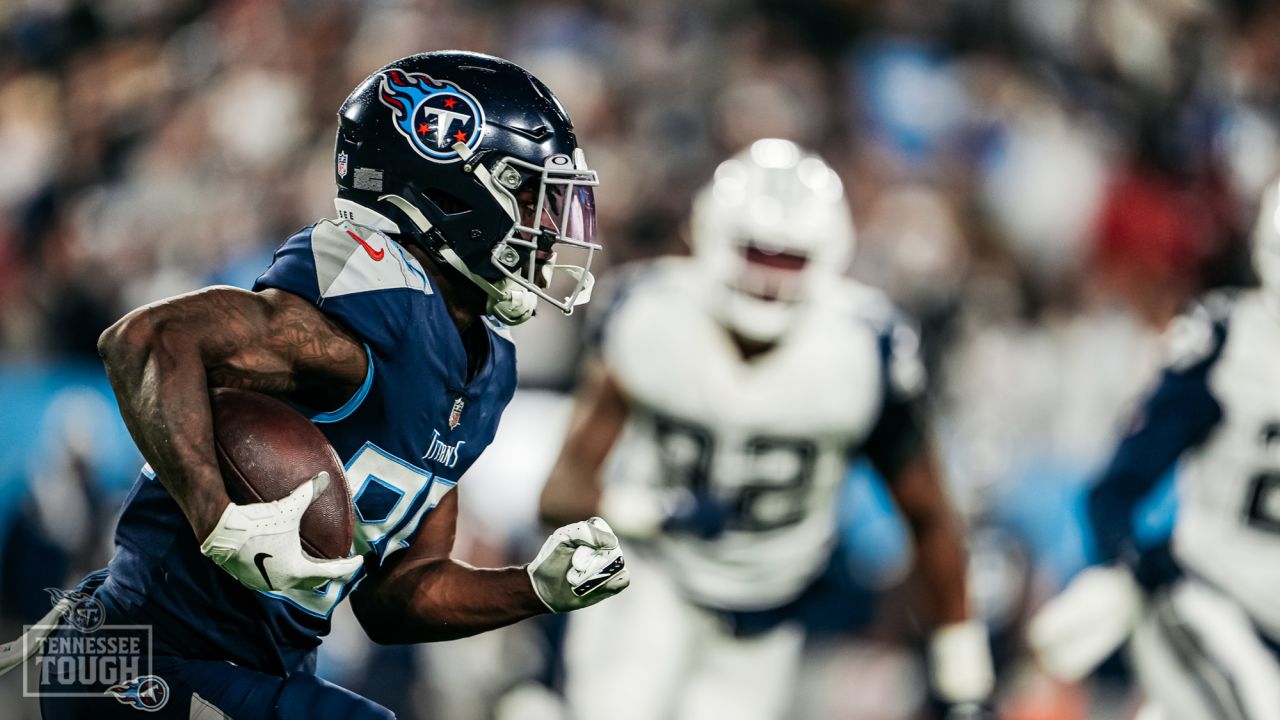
1200 613
459 179
729 395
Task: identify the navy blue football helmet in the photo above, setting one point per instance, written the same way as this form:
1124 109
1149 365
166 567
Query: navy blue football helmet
475 160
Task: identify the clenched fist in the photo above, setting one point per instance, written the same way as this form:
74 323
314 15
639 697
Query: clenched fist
579 565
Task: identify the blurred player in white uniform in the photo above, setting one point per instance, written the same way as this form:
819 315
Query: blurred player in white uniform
729 394
1202 615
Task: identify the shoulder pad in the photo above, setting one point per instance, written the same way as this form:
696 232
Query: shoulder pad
896 333
871 306
353 258
347 271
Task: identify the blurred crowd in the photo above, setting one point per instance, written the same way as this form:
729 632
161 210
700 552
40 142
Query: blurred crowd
1042 184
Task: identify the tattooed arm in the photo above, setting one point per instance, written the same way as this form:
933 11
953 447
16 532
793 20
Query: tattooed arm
163 358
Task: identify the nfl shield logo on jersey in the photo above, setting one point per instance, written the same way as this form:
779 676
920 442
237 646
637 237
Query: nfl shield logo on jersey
455 415
342 165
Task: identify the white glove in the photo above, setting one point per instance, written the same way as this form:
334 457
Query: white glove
960 663
579 565
1079 628
260 544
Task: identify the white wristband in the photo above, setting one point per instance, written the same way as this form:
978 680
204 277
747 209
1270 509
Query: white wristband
960 662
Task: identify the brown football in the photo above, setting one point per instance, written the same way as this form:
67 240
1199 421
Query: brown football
266 450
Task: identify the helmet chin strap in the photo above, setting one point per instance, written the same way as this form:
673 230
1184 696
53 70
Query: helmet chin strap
508 301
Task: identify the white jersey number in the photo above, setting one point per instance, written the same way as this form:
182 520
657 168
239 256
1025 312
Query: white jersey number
384 491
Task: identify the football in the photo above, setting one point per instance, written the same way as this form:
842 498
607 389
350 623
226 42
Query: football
266 449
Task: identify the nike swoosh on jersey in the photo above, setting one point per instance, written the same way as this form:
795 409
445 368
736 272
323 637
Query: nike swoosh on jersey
375 254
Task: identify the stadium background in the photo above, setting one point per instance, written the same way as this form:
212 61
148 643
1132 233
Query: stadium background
1042 184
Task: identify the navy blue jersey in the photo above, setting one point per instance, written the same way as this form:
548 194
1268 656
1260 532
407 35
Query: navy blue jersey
1178 415
412 429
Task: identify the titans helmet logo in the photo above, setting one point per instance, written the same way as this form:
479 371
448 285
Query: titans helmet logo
433 116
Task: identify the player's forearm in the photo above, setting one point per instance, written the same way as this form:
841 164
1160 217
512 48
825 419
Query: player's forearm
941 564
941 560
444 599
1110 509
573 490
571 494
1134 471
163 393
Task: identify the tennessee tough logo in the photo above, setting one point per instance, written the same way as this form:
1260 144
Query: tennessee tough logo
433 116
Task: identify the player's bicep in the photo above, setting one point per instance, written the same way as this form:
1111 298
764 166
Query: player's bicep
270 341
917 487
599 414
1179 415
273 341
319 350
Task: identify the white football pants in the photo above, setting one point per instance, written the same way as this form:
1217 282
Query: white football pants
1199 657
647 654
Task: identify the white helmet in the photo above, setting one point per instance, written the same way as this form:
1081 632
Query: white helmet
774 229
1266 239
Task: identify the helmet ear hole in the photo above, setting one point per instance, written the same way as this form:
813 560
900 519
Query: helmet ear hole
350 131
448 203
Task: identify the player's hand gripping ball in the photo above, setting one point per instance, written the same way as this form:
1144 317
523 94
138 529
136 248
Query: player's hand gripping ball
260 544
579 565
290 521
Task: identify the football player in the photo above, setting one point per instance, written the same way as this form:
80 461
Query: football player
1200 613
731 391
459 178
